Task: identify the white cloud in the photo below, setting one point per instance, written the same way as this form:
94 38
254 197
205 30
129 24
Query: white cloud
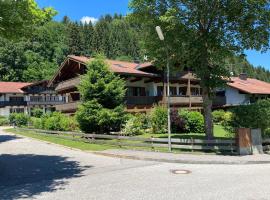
87 19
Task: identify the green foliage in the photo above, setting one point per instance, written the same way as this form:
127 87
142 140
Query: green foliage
18 18
19 119
207 35
36 123
159 119
255 115
37 112
4 121
193 121
136 125
218 116
59 122
102 93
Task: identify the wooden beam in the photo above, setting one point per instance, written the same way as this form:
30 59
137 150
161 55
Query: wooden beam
135 80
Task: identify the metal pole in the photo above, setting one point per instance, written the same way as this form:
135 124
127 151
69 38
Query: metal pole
169 103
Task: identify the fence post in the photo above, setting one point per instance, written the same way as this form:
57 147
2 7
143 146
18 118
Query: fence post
243 141
256 138
152 143
192 144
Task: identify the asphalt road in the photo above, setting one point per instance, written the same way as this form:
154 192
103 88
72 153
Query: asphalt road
31 169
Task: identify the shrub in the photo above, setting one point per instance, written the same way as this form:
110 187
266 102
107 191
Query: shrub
177 123
37 112
218 116
266 133
19 119
136 124
59 122
92 117
256 115
194 122
36 122
159 119
4 121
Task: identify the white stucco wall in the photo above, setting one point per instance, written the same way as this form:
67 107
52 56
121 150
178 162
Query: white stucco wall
233 97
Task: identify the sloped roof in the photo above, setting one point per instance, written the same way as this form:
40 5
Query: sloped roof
251 86
12 87
120 67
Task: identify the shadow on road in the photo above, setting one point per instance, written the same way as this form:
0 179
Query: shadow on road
23 176
6 138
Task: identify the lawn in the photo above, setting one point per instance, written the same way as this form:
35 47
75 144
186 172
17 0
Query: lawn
62 141
219 133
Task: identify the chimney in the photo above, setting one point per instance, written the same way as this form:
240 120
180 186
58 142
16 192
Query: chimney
243 76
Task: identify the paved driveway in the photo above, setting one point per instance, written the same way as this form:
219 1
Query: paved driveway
31 169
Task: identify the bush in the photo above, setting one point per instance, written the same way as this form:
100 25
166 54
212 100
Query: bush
92 117
159 119
59 122
4 121
256 115
218 116
19 119
37 112
177 123
266 133
36 122
136 124
194 121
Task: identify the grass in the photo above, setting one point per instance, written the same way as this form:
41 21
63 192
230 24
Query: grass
219 133
62 141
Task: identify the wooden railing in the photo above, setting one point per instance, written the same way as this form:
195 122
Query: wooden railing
71 83
120 140
185 99
71 106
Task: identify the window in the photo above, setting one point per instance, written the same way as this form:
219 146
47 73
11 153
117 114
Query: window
136 91
182 91
160 91
36 98
16 99
173 91
195 91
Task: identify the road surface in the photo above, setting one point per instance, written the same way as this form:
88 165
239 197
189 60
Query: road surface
31 169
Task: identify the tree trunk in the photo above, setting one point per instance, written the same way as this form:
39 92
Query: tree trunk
207 111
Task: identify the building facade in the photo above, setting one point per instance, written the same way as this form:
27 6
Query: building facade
145 85
24 97
241 91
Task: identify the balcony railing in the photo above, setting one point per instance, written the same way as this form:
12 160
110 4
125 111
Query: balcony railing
45 102
67 107
185 100
71 83
142 100
12 103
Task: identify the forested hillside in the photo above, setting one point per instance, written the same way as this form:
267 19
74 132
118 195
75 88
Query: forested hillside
38 57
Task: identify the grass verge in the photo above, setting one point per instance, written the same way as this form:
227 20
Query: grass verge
62 141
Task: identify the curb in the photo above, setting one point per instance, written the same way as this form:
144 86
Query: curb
181 161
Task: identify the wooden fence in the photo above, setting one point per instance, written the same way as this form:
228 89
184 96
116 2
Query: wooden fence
220 145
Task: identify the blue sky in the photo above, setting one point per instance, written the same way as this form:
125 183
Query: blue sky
93 9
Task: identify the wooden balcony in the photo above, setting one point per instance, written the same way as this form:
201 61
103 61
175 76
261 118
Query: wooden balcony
142 100
44 102
12 103
184 100
70 107
68 84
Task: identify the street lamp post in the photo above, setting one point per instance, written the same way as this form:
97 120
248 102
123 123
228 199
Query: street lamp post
161 37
